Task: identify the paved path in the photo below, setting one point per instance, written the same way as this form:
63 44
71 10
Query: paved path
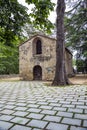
34 106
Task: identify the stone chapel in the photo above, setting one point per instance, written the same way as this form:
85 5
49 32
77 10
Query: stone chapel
37 58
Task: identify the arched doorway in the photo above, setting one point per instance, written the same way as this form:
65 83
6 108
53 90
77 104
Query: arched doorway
37 73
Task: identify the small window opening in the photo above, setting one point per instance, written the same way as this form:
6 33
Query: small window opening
38 47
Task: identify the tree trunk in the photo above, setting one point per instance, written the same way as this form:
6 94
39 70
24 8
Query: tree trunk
60 72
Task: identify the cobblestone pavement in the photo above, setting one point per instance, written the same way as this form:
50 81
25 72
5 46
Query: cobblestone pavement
34 106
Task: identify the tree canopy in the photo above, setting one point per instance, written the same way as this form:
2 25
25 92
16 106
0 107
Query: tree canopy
76 28
13 16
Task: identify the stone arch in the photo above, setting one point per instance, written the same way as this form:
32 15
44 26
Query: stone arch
37 72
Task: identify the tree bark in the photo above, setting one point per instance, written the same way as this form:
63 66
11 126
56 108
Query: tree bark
60 72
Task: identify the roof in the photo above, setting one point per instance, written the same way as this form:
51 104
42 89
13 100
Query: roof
42 35
36 36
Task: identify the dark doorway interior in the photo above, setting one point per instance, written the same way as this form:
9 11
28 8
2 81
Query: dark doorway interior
37 73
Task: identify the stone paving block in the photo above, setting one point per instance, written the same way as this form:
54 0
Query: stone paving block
5 125
59 108
75 110
9 107
65 114
2 102
85 111
71 121
8 112
77 128
19 127
72 100
20 120
61 99
81 116
1 109
34 110
55 104
85 123
49 112
68 106
21 104
56 126
35 116
21 100
20 113
64 102
46 107
6 117
37 123
52 101
31 102
82 100
52 118
42 103
10 103
78 103
32 105
81 107
21 108
1 105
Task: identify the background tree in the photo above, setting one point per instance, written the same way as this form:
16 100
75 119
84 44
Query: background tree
60 73
13 17
76 28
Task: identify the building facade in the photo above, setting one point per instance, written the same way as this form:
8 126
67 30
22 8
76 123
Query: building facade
37 58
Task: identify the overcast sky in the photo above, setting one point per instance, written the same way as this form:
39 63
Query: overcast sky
52 16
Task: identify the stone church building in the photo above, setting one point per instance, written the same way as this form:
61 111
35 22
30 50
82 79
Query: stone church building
37 58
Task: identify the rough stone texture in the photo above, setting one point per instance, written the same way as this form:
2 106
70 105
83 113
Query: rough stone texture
65 114
85 123
5 125
6 117
28 58
81 116
56 126
72 121
35 116
52 118
77 128
37 123
20 120
19 127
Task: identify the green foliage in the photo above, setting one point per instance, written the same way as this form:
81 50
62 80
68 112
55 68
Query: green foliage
13 17
9 58
40 14
76 27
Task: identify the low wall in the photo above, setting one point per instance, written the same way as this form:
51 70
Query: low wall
9 76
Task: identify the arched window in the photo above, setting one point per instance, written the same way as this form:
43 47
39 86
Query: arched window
38 47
